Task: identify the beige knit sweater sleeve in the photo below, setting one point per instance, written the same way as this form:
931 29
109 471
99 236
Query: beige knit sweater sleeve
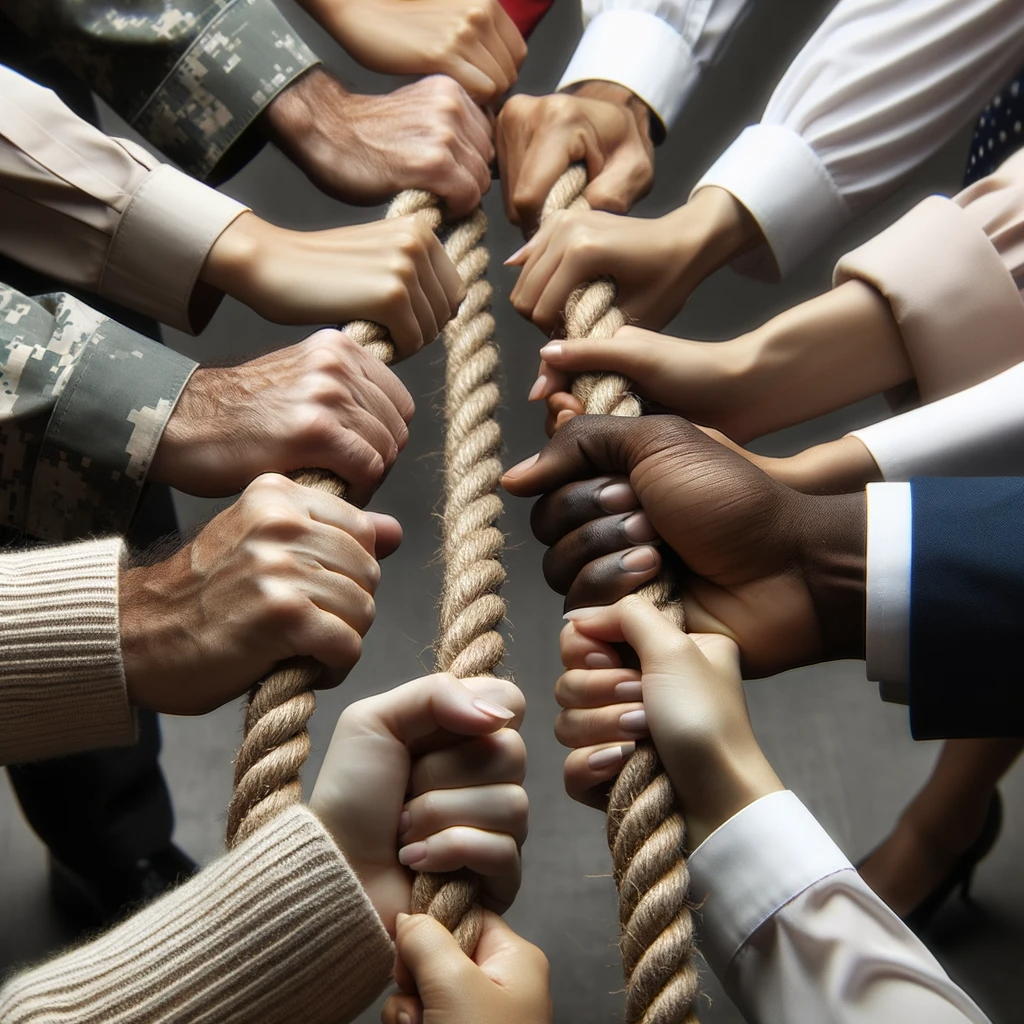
62 686
278 931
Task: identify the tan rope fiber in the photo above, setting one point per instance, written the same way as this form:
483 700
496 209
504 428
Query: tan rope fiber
646 832
276 742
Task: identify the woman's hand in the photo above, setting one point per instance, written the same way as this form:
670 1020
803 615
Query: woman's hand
394 272
428 777
687 696
506 981
656 263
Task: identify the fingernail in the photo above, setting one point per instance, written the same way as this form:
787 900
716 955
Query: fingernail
598 660
404 820
494 710
403 1018
639 560
412 854
579 614
538 389
638 528
609 756
522 467
551 351
626 692
517 253
632 721
617 498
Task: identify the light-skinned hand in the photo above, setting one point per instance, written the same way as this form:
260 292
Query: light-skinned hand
656 263
428 777
687 697
472 41
394 272
323 402
819 356
780 572
600 123
506 981
364 149
286 571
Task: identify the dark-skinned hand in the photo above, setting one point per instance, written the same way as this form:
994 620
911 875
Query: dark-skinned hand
780 572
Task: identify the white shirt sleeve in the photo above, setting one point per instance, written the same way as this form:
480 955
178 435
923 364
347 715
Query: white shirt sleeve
877 90
658 49
795 935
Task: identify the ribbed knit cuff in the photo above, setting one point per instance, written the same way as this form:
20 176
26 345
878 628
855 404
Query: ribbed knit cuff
276 931
62 685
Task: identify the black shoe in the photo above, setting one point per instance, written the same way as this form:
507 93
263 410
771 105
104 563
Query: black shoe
962 873
98 900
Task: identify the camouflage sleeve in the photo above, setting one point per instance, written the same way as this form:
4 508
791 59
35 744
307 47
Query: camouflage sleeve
83 404
189 75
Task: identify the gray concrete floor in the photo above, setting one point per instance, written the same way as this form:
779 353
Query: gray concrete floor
847 755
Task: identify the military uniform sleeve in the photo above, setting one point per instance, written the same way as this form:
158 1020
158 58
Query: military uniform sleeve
102 213
189 75
83 405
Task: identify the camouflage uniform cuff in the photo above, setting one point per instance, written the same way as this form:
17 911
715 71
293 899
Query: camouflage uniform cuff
102 434
222 83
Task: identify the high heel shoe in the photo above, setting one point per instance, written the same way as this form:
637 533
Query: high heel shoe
961 875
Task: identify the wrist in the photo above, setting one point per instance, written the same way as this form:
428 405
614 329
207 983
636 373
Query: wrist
712 228
189 433
832 554
619 96
292 116
844 466
235 256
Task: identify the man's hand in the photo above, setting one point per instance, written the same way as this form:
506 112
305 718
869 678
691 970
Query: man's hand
782 573
324 402
602 124
364 149
506 982
285 571
687 696
428 777
656 263
472 41
394 272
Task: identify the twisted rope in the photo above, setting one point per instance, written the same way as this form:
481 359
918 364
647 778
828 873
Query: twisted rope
275 743
646 832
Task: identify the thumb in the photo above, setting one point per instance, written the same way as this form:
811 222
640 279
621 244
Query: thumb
623 354
624 179
428 957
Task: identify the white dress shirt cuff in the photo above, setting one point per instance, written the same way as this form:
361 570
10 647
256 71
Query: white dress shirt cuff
752 866
887 642
160 245
641 52
779 178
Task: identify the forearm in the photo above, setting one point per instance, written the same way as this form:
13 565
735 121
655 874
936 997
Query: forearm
816 357
277 930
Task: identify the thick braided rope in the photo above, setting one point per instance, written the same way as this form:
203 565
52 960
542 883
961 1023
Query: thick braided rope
276 744
646 832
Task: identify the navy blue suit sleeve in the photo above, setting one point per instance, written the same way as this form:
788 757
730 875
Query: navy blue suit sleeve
967 608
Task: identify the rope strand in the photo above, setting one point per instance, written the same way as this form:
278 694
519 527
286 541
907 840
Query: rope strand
275 742
646 832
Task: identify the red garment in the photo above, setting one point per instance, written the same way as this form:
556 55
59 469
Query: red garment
526 13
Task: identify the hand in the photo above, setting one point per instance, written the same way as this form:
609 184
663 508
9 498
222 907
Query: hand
428 777
365 149
323 403
285 571
777 375
472 41
394 272
506 982
782 573
687 696
656 263
539 137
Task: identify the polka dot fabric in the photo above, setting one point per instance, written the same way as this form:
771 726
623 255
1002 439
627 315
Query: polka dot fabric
1000 132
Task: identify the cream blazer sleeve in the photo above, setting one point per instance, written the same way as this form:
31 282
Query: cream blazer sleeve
101 213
